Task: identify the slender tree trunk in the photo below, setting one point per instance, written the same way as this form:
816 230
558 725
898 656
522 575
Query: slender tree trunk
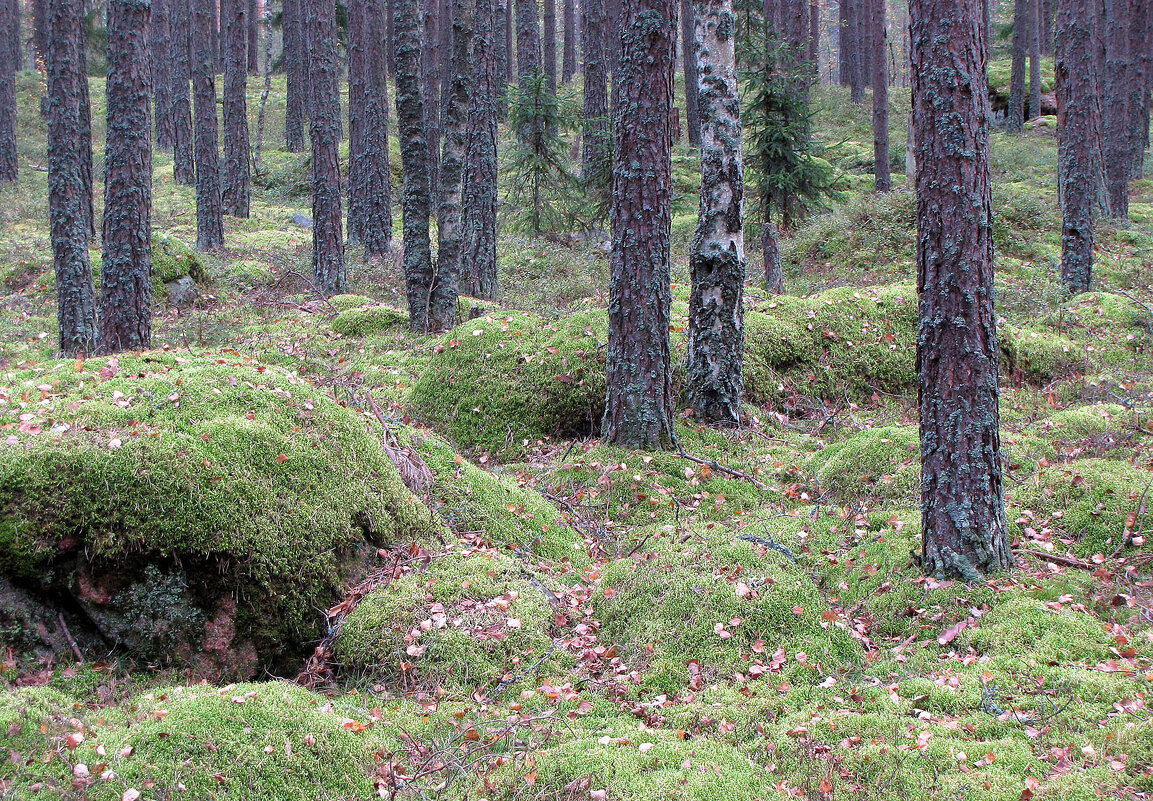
639 403
962 512
1015 120
548 43
296 76
446 288
237 169
126 258
528 57
814 55
160 42
1121 102
857 46
67 201
369 190
1034 110
209 225
713 384
596 142
569 65
265 90
478 216
1140 41
417 204
85 136
882 181
183 155
1079 163
253 14
844 42
16 39
1047 27
771 253
500 45
510 70
430 54
328 269
40 29
692 89
8 158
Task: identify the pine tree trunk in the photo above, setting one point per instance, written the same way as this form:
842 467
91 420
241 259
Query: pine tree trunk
390 40
296 75
1120 103
771 253
844 44
16 38
126 258
1015 120
612 36
962 512
1140 41
1047 27
209 224
510 70
1034 109
500 45
8 157
253 14
183 156
40 29
596 142
415 198
569 65
160 43
369 189
442 308
856 55
548 43
85 136
1079 163
478 216
713 383
692 88
67 202
431 56
237 169
639 402
328 269
814 55
528 59
882 180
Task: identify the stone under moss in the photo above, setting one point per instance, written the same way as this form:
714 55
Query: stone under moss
359 321
877 462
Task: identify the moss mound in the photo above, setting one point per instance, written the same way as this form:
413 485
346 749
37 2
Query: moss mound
468 622
499 381
211 503
172 259
1025 626
1038 354
360 321
877 462
345 302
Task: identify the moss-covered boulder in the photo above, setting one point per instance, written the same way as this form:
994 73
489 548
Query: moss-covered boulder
500 381
362 320
173 259
198 510
876 463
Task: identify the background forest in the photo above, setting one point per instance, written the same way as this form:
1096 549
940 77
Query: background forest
318 506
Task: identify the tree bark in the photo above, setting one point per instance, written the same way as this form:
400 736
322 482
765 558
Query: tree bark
857 45
528 56
1121 101
713 384
1079 166
548 44
209 225
509 49
844 43
237 170
328 269
882 180
478 216
8 157
962 512
771 256
126 258
442 308
814 55
40 29
1034 109
369 188
160 43
180 30
295 59
692 87
595 142
639 403
1015 120
430 53
569 65
418 275
67 200
253 15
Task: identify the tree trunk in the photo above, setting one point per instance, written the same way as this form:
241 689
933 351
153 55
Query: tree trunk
548 43
713 382
771 253
596 143
296 75
844 42
67 203
390 39
1047 27
639 403
615 12
209 225
126 258
442 308
85 136
328 270
1015 120
237 177
430 54
882 181
506 9
415 198
962 512
692 87
1079 164
500 45
528 58
814 55
16 35
160 43
369 188
1034 109
857 45
8 159
478 216
1121 102
183 155
253 37
40 29
569 65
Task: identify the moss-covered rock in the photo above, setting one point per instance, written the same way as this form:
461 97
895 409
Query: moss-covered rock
876 462
1038 354
1025 626
173 259
360 321
345 302
198 510
501 380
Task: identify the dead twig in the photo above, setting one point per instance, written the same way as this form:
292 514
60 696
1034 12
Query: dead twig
720 468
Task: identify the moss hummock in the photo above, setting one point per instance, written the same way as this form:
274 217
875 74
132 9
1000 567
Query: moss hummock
877 462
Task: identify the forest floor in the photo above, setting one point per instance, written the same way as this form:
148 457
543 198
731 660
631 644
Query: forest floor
743 620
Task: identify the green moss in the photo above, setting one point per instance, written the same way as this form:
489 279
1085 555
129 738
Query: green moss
1083 421
345 302
367 320
502 380
876 462
241 475
172 259
1023 626
1038 354
251 272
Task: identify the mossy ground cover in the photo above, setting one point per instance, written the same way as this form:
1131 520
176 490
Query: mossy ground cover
744 619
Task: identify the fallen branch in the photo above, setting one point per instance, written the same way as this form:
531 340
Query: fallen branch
71 640
720 468
1068 561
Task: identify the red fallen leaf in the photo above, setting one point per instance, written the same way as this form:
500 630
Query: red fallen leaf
950 634
829 615
826 786
530 778
564 379
695 682
280 457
